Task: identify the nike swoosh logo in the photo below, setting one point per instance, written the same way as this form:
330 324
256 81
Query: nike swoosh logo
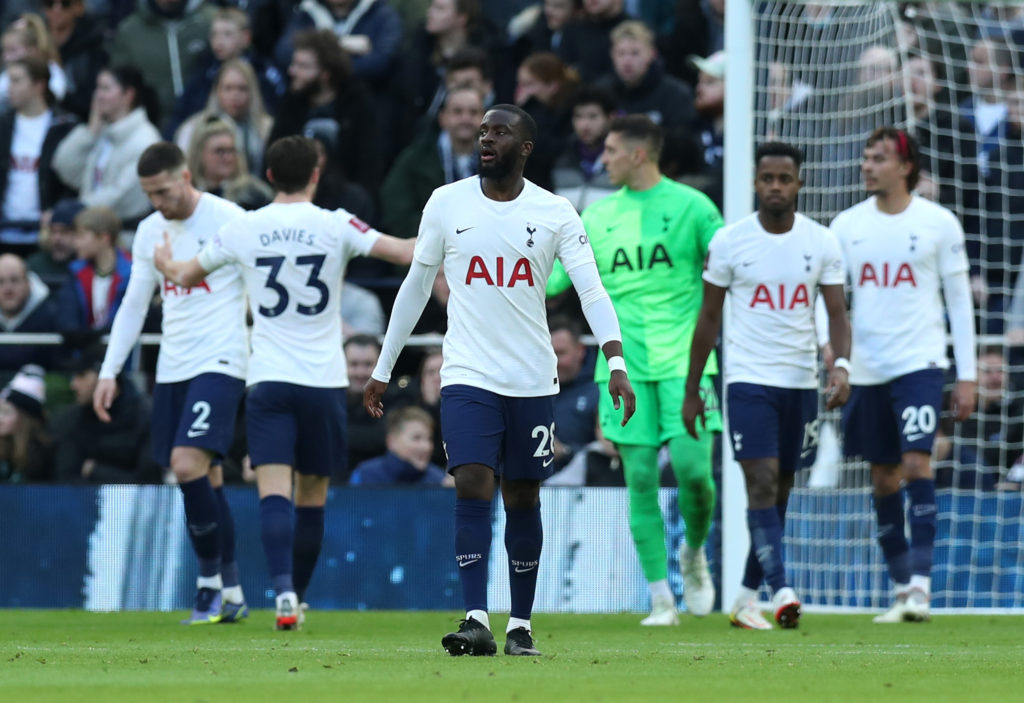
548 462
464 229
915 437
193 433
523 570
463 564
749 263
804 454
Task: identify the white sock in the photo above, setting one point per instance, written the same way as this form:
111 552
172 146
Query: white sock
480 616
661 591
921 583
514 623
213 582
900 589
233 594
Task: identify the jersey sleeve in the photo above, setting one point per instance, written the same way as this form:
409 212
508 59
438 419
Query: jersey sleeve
952 254
131 315
219 250
717 264
429 247
357 237
833 273
573 244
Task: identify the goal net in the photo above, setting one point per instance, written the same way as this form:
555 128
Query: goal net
827 74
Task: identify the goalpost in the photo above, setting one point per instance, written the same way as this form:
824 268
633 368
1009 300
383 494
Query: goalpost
823 76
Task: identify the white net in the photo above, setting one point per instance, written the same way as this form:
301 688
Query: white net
826 75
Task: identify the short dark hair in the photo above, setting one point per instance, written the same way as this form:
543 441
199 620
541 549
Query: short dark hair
595 95
38 72
558 323
160 157
906 149
291 162
470 57
397 419
362 340
642 128
128 76
782 149
526 126
329 54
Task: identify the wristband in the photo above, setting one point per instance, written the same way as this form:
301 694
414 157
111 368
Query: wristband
617 363
842 363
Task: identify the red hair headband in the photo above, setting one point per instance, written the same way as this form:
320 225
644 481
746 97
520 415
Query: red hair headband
901 145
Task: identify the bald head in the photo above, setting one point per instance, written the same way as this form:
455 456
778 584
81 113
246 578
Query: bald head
14 288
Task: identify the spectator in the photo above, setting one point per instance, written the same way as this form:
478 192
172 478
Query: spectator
992 74
990 442
788 104
98 159
641 86
410 444
586 42
89 450
25 306
28 37
164 39
467 68
576 402
424 391
699 28
98 278
366 437
433 159
361 312
336 191
218 166
541 27
578 173
230 41
56 244
79 36
544 88
25 447
235 99
29 133
710 125
326 102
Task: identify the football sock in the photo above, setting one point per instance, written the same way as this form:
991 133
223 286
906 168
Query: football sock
922 525
752 573
891 536
921 583
228 565
766 541
201 518
514 623
691 462
524 538
473 549
309 536
480 616
278 530
660 591
645 520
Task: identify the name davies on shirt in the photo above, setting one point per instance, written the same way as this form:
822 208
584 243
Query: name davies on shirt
296 236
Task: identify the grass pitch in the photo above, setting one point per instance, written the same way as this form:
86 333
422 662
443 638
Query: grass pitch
385 656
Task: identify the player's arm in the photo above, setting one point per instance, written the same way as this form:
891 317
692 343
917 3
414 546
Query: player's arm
837 390
709 321
956 288
409 303
597 308
181 273
124 332
392 249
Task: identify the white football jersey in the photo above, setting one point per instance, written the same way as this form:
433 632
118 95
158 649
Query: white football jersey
203 326
293 257
896 264
773 282
497 258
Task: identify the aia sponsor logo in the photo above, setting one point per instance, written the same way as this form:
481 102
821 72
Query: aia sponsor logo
518 272
886 275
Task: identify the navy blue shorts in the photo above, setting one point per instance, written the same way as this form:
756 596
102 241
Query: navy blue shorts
200 412
513 436
881 423
300 426
766 422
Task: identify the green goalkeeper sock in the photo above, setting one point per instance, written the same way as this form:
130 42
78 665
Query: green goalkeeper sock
645 521
691 462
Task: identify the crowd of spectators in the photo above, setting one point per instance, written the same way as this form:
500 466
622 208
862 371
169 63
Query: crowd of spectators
393 92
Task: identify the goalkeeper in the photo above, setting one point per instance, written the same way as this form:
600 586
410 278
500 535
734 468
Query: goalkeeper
650 239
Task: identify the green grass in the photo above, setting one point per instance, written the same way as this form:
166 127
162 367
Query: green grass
356 656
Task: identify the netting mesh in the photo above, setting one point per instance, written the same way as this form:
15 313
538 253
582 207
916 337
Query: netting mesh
826 75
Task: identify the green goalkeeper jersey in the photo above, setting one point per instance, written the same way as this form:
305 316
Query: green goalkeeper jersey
650 248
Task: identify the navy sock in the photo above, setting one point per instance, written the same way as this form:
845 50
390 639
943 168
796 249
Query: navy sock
892 537
752 572
766 541
228 565
473 549
201 514
278 530
309 536
922 525
524 538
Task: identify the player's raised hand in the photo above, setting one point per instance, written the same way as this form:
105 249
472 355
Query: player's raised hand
965 397
693 408
837 390
621 391
373 391
103 398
